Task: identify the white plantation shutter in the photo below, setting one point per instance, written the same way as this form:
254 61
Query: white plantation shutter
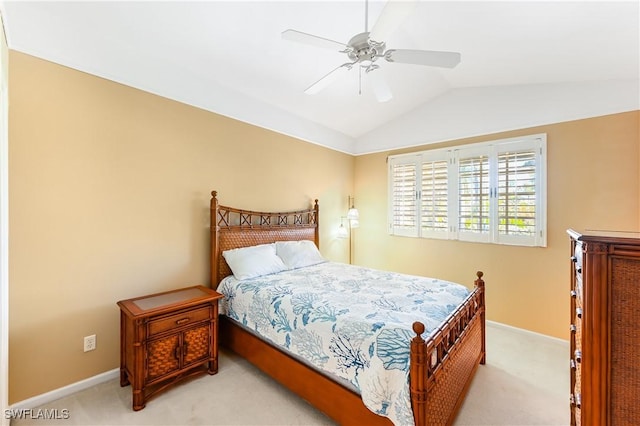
473 198
519 190
487 192
434 199
404 203
517 193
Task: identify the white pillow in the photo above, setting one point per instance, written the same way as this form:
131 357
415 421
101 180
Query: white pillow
296 254
250 262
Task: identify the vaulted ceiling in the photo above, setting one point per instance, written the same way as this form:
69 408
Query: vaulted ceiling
229 57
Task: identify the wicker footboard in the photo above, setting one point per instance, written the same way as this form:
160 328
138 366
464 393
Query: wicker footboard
443 367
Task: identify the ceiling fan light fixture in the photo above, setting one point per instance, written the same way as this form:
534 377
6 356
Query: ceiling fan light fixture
367 64
366 48
380 87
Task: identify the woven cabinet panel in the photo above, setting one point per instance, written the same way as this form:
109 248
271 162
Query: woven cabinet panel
443 397
625 341
197 344
161 356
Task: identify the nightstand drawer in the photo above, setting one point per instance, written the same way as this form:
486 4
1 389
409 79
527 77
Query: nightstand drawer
170 322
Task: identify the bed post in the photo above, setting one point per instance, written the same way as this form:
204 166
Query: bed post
418 375
213 214
479 283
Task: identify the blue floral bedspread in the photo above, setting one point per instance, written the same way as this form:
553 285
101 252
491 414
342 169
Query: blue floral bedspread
348 321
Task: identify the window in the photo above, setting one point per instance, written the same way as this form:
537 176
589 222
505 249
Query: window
473 195
404 178
434 215
488 192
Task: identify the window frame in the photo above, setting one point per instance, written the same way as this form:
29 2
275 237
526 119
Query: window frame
402 228
533 145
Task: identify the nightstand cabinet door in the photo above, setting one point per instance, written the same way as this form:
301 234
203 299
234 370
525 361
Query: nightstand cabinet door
196 345
178 351
162 357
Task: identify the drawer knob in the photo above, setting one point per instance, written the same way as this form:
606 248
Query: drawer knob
183 320
573 294
579 270
574 259
578 400
573 328
578 355
579 312
572 363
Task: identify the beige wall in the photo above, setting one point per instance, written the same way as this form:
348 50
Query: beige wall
593 183
109 196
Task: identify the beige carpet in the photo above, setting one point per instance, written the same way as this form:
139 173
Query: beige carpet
525 382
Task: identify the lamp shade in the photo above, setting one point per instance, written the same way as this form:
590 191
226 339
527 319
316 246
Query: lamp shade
353 214
342 231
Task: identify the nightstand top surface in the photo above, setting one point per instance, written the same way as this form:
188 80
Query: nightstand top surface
153 302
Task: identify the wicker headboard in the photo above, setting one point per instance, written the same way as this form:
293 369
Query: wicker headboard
234 228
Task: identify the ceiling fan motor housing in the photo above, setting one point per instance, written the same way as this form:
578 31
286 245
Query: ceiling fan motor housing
363 50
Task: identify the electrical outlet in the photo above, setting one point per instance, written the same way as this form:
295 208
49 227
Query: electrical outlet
89 343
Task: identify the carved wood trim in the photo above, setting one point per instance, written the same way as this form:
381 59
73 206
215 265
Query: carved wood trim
234 228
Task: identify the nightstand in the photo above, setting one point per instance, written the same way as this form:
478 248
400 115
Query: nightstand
167 337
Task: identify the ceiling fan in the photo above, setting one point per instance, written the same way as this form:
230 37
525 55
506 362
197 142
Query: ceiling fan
366 48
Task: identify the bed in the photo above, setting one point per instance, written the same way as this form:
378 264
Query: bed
441 358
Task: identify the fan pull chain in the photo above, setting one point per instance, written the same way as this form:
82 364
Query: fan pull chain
360 80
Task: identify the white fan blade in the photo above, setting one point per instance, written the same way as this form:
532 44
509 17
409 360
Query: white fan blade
431 58
379 85
327 79
394 12
300 37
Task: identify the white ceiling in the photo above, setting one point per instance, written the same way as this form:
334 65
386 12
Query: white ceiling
229 57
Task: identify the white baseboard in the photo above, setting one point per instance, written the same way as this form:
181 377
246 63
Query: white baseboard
524 331
55 394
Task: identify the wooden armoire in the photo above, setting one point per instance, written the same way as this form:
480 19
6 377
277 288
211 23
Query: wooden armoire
605 328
